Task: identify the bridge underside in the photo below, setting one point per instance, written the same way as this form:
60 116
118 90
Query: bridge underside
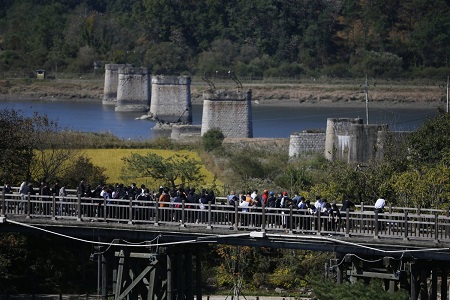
167 264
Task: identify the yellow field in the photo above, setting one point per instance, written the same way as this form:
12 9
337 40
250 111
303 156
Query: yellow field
111 160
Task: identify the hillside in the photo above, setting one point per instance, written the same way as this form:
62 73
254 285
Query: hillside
253 39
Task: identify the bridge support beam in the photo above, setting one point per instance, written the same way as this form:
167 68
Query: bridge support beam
444 285
163 275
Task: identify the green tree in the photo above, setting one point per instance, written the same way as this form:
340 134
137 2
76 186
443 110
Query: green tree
431 141
167 58
174 170
16 149
212 139
82 167
330 290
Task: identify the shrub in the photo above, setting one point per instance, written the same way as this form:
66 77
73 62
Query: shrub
212 139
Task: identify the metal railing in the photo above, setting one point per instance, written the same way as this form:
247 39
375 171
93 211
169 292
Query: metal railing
396 222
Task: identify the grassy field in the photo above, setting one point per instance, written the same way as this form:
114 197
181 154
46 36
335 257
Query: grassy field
111 160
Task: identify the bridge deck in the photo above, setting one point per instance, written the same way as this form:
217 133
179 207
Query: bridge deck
393 232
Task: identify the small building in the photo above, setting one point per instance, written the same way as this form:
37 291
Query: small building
40 74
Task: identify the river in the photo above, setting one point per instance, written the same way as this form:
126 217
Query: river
268 121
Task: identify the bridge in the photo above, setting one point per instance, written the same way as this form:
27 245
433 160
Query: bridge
406 247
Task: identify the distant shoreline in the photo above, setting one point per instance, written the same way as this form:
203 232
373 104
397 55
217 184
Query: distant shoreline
262 102
315 94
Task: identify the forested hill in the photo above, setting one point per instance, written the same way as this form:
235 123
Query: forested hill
384 38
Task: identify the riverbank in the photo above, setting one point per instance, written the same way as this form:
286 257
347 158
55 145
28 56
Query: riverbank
267 94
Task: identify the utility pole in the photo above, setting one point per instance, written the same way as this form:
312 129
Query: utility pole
366 91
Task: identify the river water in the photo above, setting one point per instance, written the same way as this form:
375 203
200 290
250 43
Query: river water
268 121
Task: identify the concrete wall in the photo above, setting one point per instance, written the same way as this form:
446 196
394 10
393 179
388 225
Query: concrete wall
338 141
306 142
111 83
350 140
229 111
365 140
171 99
133 90
181 132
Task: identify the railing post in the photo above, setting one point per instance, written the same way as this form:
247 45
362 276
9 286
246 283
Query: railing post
79 208
375 235
156 212
290 219
53 206
319 222
406 226
347 222
130 217
28 204
446 228
263 217
390 208
209 216
183 206
362 206
105 211
2 214
236 216
436 227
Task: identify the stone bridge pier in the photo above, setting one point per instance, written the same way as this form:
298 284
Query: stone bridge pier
171 99
111 83
229 111
164 273
133 90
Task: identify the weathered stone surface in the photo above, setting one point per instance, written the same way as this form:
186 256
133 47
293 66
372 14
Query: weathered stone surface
229 111
111 83
171 99
133 91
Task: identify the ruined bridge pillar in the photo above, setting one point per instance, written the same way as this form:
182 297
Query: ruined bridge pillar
229 111
171 99
111 82
133 90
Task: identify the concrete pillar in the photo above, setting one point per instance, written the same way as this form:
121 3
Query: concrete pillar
171 99
350 140
133 91
338 138
229 111
111 83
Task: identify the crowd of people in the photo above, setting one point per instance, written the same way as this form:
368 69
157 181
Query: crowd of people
251 199
245 201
